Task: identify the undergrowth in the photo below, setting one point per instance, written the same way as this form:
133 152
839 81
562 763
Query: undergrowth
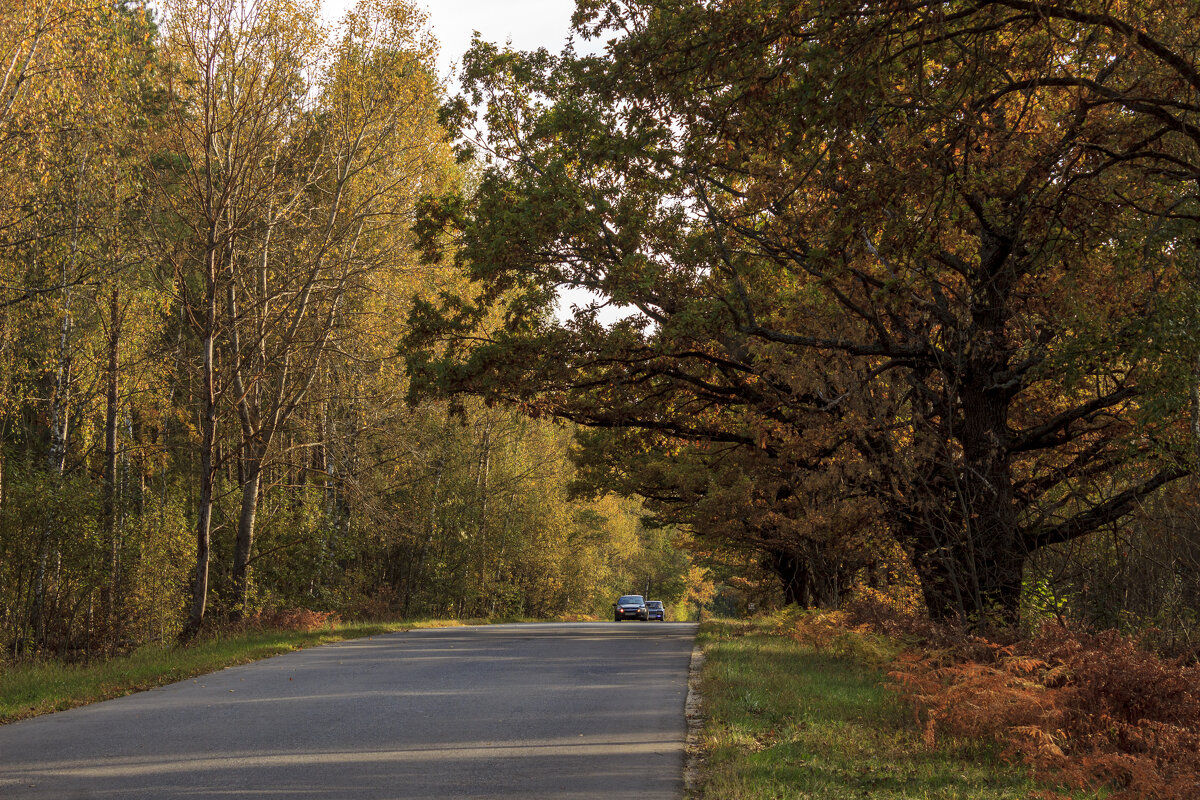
797 707
1085 710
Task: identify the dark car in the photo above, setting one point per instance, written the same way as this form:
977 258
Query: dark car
655 610
630 606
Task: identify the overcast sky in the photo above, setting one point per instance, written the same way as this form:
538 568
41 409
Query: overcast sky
530 24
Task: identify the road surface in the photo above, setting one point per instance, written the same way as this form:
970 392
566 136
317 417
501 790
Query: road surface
579 710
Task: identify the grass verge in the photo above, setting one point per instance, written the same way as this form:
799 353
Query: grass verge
32 689
785 719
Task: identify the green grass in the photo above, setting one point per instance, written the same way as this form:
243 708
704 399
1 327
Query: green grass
31 689
786 721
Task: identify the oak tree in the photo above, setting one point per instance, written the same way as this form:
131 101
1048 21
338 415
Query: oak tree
940 241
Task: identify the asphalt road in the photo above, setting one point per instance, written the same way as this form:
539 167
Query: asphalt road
580 710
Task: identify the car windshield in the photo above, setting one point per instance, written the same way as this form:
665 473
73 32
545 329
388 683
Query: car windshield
630 600
654 604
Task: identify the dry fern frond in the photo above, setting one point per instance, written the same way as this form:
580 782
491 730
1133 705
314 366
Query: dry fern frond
1083 709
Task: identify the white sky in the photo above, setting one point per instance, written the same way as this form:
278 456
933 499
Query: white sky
530 24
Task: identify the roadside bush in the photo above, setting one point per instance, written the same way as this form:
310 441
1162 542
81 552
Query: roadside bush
300 620
1085 710
832 632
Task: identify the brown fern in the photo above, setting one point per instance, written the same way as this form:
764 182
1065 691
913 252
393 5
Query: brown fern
1083 709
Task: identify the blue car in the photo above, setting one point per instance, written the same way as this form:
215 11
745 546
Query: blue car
655 610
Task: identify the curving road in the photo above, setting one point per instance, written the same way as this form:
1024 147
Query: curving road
579 710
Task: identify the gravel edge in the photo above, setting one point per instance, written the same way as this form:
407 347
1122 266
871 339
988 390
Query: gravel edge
693 710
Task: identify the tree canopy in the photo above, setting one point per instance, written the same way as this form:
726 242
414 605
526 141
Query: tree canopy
206 255
932 257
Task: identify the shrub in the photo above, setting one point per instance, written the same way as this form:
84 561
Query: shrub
1083 709
301 620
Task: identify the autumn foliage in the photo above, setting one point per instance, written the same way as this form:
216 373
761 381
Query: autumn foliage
1083 709
291 619
908 269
